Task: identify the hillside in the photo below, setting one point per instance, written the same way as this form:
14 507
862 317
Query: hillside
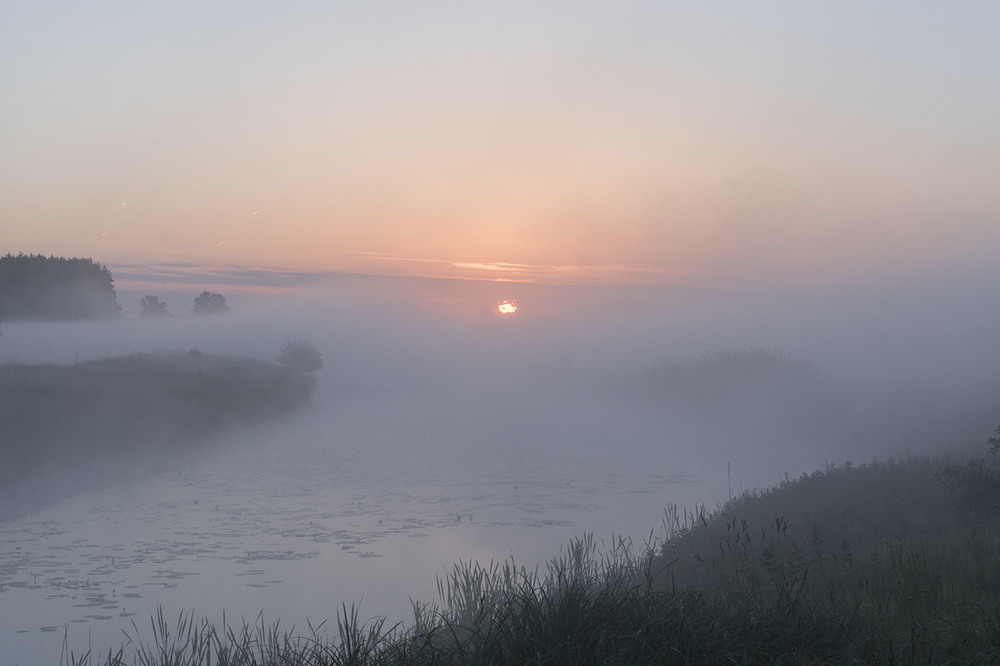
78 423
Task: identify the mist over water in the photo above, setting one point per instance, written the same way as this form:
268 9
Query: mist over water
442 431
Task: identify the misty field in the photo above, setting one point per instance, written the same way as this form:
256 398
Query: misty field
69 421
878 563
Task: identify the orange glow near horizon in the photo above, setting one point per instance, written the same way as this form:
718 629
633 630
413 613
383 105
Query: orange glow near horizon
507 307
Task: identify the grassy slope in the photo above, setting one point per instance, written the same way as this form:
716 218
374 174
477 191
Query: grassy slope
875 563
59 419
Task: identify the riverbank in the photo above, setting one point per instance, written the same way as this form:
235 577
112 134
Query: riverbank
874 563
69 428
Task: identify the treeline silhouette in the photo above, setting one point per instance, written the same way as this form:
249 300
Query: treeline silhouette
33 286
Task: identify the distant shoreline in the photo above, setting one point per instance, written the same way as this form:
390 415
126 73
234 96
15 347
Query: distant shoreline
72 428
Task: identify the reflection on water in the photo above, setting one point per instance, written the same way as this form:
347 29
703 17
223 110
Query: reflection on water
369 508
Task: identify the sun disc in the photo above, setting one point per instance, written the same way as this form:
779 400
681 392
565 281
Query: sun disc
507 307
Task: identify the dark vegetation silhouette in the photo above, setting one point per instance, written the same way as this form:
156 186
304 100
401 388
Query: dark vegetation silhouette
753 394
208 303
58 421
976 484
36 287
152 307
730 384
300 355
790 404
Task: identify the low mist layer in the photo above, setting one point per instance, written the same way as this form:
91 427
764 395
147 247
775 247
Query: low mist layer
762 380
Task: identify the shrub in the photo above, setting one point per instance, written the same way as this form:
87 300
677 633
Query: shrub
208 304
300 355
976 484
153 307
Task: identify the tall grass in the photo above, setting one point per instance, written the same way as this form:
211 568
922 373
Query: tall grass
867 564
197 642
876 557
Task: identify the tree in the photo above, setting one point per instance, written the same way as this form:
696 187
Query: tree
209 303
300 355
977 483
153 307
994 444
36 287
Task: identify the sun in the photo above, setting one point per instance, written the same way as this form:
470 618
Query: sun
507 307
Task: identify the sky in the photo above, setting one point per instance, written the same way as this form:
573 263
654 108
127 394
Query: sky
626 142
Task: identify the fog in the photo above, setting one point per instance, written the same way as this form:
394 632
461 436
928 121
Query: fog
440 430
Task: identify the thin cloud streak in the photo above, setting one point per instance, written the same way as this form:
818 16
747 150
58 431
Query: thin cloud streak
500 271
